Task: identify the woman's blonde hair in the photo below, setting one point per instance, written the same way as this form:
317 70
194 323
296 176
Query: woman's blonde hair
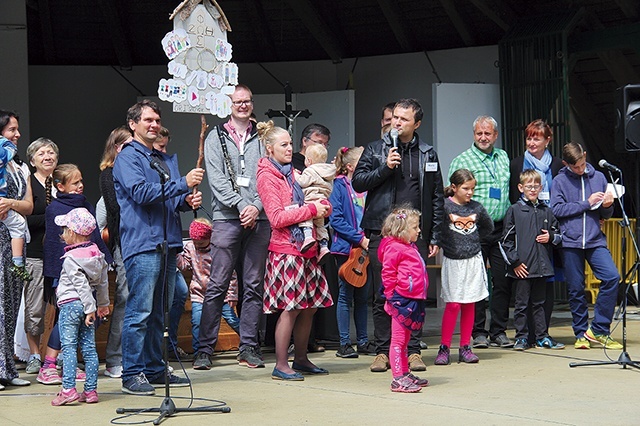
117 137
268 132
347 156
398 222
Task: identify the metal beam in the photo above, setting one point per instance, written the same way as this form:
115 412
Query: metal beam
396 22
615 62
628 7
317 27
48 43
489 13
458 22
619 67
620 37
589 118
116 31
263 35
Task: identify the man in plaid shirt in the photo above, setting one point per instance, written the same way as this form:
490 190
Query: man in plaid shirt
490 166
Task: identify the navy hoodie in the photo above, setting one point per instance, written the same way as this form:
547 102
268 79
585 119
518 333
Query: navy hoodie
53 244
580 226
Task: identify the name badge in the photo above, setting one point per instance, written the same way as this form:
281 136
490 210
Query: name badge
494 193
431 167
544 196
243 181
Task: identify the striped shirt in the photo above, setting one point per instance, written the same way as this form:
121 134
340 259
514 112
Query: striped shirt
492 175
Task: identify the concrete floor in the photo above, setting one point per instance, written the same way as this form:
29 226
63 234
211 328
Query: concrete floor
529 388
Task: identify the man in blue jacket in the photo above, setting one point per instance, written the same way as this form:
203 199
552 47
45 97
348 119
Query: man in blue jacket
138 188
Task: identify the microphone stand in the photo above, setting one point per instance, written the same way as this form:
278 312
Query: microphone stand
168 407
624 359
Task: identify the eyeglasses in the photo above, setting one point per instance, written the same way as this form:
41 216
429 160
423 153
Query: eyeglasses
532 187
241 103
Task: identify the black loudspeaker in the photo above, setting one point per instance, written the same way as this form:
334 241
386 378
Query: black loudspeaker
627 138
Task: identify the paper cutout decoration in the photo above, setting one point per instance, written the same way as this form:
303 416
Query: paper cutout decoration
175 42
203 76
172 90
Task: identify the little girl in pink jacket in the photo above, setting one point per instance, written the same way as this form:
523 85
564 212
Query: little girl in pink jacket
404 283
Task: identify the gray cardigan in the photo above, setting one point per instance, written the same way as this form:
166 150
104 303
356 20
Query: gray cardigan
226 203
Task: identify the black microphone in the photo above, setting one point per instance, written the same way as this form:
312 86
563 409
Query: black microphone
155 165
603 164
393 134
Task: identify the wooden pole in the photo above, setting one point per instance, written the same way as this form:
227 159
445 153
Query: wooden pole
203 130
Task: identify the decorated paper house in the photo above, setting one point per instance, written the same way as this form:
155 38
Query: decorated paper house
199 60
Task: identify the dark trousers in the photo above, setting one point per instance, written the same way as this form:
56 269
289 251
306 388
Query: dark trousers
548 310
530 294
501 290
247 248
382 320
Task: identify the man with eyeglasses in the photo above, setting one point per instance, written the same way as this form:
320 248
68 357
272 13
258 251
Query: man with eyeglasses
241 230
312 134
490 166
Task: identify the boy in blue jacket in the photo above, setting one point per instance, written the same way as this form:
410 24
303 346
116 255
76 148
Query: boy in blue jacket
579 200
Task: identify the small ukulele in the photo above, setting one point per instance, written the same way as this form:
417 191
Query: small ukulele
354 270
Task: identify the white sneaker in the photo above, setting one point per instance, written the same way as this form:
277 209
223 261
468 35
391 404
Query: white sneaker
114 372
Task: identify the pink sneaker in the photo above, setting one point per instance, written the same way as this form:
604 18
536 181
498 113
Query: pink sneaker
307 244
90 397
49 376
65 396
404 384
324 250
81 376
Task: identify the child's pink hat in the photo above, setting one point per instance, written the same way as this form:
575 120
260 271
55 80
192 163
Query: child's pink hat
78 220
200 231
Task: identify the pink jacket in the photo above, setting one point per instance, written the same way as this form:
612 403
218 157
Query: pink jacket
277 200
403 269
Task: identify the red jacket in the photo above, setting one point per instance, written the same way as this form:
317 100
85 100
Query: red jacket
403 269
277 200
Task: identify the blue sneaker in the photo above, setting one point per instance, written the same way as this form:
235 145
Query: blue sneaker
549 343
521 345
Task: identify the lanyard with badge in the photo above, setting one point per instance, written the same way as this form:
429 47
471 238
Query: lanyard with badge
494 191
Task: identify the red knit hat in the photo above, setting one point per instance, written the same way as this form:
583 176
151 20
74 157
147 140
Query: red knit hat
200 231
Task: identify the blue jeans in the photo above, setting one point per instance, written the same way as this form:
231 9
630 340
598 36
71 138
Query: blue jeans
605 270
347 296
143 317
228 314
113 352
73 334
180 293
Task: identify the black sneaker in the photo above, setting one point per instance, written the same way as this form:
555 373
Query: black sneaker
346 351
174 381
138 385
202 361
502 341
367 349
248 356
